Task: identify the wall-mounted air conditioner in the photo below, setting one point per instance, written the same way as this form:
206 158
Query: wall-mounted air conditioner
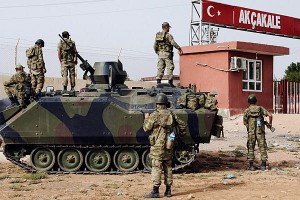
238 63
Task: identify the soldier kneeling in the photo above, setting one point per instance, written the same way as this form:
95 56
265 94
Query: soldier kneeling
18 87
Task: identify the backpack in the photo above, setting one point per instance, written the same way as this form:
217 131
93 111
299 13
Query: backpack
255 119
30 52
255 111
211 103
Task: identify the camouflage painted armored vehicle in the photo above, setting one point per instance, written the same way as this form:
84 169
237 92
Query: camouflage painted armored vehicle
99 129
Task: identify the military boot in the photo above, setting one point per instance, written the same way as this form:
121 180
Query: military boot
168 191
13 101
72 89
171 83
23 104
158 83
251 166
37 95
154 193
263 166
65 89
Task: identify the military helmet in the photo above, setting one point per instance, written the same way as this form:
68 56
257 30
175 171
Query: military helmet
65 34
19 66
161 98
166 24
252 99
41 42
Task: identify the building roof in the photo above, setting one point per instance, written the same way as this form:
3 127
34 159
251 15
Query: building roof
238 46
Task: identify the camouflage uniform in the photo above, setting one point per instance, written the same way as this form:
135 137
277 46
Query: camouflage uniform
36 67
163 47
15 87
68 61
256 132
160 155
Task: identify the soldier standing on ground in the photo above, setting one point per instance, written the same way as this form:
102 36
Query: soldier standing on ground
68 59
254 121
163 47
36 66
161 123
16 87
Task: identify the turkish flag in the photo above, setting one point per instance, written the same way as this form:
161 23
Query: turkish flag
217 13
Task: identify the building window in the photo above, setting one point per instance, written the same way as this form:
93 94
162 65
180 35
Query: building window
252 76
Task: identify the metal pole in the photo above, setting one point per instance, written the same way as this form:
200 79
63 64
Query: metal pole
200 23
16 52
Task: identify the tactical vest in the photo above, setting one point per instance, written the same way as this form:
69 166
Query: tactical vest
163 126
67 52
33 60
255 121
163 43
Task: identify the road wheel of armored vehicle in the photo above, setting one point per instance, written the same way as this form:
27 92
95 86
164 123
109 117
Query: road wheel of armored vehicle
185 155
42 159
70 160
97 160
146 160
126 160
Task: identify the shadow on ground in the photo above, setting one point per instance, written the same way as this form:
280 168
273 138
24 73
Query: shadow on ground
226 161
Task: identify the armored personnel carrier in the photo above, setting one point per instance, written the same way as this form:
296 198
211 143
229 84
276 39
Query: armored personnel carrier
99 128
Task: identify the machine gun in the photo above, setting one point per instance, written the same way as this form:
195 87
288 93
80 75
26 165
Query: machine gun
85 66
269 126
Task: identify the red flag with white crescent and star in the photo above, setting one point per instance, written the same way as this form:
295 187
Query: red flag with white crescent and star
217 13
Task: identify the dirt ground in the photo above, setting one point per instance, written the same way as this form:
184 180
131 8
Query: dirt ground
209 177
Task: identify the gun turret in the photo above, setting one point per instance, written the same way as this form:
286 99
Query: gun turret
85 65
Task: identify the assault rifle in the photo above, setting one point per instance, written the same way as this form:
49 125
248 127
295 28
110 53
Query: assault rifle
85 66
269 126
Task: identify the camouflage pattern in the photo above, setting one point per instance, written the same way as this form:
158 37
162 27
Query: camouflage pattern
68 60
159 166
163 47
158 149
160 155
252 115
211 103
189 100
37 69
100 119
16 85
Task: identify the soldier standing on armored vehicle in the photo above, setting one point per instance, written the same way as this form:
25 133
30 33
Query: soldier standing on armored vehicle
254 121
163 47
68 59
162 123
16 87
36 66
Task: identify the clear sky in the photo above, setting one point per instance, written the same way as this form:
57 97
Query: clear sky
101 28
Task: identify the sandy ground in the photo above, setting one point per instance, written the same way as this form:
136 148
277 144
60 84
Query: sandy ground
206 178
